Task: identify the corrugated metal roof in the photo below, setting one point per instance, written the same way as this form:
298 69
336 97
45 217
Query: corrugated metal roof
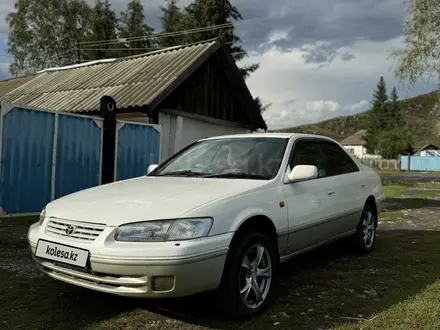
9 85
355 139
132 81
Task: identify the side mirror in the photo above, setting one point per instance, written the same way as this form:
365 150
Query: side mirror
303 173
151 167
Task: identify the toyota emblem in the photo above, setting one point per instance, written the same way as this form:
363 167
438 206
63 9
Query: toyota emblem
70 230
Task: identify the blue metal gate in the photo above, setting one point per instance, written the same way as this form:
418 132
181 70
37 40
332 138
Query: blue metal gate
46 155
137 146
78 155
26 160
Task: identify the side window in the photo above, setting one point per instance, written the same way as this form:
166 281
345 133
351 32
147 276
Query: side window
307 153
337 160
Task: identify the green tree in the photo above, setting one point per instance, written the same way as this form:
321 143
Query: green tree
44 33
201 14
172 21
378 116
393 142
421 55
262 105
132 24
102 29
395 113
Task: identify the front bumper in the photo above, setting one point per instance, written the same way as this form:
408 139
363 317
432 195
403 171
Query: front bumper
146 277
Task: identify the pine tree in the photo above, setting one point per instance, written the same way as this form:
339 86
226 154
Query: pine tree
394 109
201 14
131 24
103 23
171 22
378 117
380 104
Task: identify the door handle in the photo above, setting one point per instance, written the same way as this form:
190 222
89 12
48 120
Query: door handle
331 193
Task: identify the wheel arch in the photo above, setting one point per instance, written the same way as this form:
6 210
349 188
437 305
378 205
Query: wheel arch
372 202
260 223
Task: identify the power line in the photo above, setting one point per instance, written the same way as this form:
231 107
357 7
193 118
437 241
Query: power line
157 48
158 35
260 19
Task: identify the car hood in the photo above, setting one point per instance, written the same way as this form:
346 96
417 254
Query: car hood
144 198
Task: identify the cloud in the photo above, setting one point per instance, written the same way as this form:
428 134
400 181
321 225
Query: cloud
359 106
321 106
318 59
347 57
278 35
340 88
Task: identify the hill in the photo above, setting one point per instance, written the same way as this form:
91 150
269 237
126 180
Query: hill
422 112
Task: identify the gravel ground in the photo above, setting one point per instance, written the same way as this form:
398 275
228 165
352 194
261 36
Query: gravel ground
319 290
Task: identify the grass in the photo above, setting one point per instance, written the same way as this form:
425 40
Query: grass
419 312
387 172
390 216
21 221
431 185
428 194
394 191
323 289
396 287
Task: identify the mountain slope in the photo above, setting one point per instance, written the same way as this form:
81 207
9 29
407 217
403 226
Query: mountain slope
422 112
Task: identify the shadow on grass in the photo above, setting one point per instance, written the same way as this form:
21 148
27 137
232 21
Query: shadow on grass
319 289
396 204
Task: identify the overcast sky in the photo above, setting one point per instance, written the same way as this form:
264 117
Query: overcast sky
318 59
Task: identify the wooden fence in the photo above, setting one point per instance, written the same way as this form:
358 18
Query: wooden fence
382 164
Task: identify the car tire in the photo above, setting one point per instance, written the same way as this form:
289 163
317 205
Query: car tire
365 237
242 282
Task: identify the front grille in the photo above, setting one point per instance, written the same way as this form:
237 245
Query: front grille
81 230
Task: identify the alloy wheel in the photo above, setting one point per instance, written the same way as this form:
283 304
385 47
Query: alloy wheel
368 229
255 276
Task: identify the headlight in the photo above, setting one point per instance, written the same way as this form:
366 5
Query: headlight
42 216
166 230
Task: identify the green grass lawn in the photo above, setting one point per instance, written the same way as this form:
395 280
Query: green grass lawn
394 191
422 311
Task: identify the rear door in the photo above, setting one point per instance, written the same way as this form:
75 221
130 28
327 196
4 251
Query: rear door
345 176
310 203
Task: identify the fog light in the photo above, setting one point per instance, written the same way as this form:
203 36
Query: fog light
162 283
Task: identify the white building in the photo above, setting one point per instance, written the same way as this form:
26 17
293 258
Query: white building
428 150
355 145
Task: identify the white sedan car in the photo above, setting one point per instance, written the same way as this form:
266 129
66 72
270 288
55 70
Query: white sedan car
220 215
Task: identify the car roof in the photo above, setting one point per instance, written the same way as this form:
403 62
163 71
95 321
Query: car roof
268 135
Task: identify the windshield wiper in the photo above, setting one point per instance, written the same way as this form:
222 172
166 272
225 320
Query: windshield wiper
237 175
182 173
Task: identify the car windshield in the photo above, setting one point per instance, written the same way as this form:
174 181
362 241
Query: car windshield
247 158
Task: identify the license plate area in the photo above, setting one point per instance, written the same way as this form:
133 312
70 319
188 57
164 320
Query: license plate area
62 253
